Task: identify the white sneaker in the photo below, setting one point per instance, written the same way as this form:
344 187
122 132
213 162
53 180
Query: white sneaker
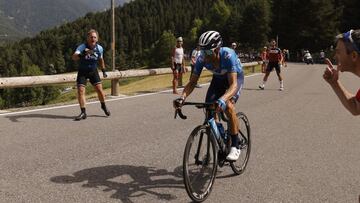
262 87
234 154
281 88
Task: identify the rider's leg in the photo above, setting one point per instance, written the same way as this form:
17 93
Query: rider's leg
233 129
233 123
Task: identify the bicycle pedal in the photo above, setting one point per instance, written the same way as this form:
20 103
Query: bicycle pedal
244 146
221 163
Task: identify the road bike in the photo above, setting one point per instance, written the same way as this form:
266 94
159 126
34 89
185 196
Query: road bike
207 148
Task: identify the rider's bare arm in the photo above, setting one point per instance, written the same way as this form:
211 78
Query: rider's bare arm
232 78
190 86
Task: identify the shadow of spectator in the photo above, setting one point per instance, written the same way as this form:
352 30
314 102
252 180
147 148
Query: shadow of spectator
46 116
17 117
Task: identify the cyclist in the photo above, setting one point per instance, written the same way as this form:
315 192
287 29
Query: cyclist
347 55
275 60
308 58
89 54
226 83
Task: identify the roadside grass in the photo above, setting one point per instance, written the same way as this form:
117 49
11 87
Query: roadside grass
134 86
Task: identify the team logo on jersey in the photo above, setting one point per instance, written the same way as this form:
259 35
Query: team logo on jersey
201 58
92 56
228 55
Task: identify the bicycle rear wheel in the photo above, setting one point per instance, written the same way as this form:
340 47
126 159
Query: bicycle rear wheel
200 163
244 133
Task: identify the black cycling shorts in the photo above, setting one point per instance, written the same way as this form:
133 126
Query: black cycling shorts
219 85
178 67
272 65
92 75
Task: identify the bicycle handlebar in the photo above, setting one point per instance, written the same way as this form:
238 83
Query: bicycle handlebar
199 106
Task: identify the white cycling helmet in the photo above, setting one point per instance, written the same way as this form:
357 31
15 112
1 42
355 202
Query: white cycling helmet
210 40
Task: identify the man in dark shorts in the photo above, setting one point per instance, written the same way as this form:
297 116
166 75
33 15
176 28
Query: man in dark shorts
90 54
275 59
177 64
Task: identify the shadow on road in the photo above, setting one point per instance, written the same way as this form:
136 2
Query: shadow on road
132 181
257 89
46 116
17 117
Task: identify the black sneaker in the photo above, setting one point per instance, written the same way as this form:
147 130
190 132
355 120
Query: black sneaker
106 111
80 116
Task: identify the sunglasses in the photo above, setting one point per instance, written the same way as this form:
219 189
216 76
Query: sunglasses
347 36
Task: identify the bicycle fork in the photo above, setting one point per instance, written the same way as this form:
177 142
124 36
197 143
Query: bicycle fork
198 151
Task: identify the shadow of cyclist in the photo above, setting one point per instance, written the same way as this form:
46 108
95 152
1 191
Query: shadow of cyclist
142 181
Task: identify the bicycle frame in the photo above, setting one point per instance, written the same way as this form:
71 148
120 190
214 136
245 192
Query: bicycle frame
206 149
210 122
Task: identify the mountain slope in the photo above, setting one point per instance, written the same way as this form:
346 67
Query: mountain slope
8 30
31 16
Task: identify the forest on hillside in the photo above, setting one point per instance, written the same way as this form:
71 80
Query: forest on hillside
146 30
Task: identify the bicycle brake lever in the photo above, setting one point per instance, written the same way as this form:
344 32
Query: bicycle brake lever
181 115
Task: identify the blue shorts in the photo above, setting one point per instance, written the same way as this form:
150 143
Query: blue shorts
219 85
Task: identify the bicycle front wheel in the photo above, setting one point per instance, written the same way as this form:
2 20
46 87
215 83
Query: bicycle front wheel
244 133
200 163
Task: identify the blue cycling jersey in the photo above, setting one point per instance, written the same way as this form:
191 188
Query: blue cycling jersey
229 63
89 62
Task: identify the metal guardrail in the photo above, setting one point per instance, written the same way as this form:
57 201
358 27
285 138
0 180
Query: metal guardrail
44 80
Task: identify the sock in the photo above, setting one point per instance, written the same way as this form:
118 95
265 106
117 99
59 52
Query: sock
281 83
235 141
263 83
83 110
103 106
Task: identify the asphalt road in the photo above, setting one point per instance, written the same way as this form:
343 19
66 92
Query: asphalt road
305 148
